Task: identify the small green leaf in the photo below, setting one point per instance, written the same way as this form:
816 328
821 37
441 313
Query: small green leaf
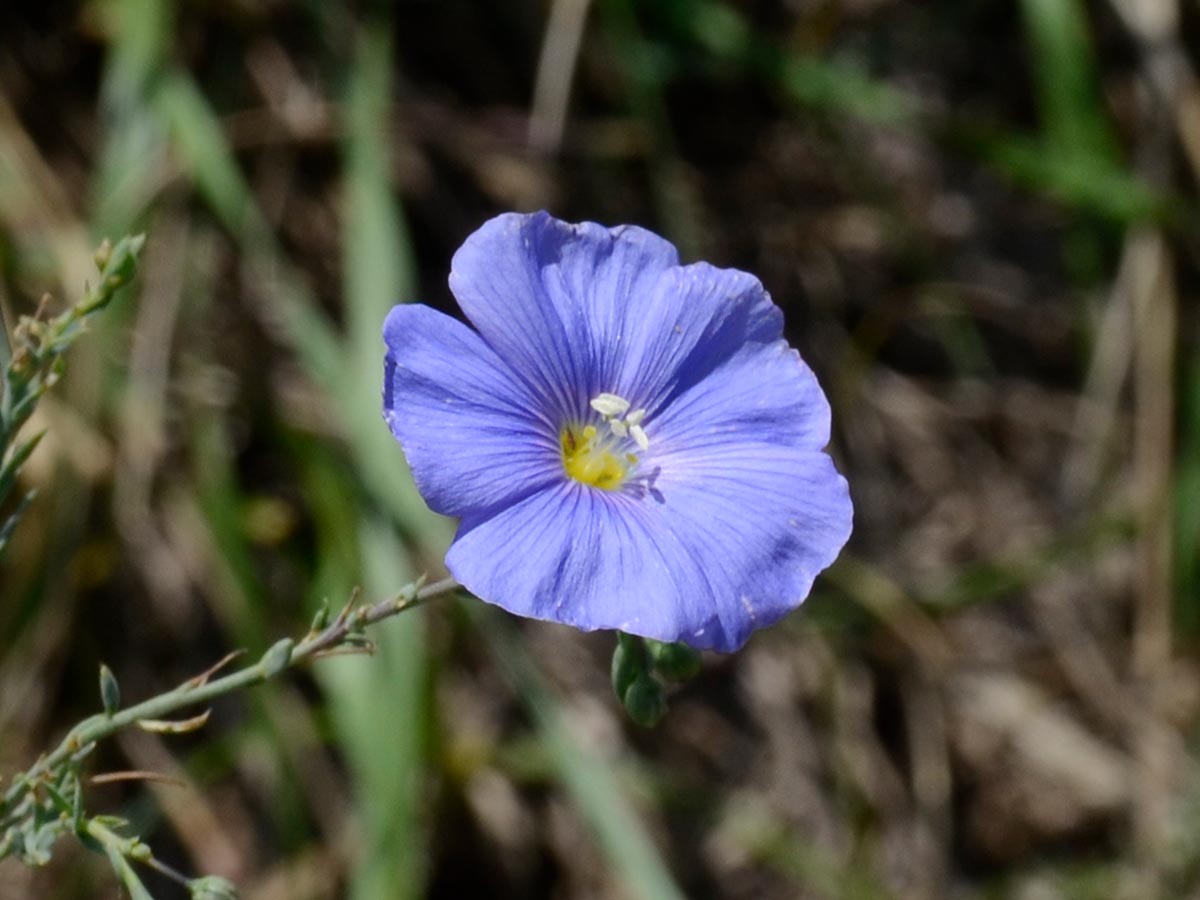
17 459
277 658
110 691
10 523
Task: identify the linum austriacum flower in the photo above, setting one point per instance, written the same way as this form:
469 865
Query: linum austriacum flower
628 443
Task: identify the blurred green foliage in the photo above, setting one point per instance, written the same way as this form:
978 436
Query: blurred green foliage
222 468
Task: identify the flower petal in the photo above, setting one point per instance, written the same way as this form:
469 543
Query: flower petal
696 319
762 393
759 523
708 554
473 434
558 301
582 310
570 554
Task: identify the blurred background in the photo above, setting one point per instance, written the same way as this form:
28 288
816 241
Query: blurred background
981 221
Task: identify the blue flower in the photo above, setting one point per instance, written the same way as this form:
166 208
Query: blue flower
629 443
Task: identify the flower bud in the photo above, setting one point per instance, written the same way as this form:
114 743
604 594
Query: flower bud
320 619
103 254
121 263
628 662
276 659
212 887
645 701
675 662
110 691
117 266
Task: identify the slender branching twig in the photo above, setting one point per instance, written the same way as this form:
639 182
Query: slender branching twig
46 801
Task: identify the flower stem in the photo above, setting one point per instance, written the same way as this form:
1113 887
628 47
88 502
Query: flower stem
118 850
281 656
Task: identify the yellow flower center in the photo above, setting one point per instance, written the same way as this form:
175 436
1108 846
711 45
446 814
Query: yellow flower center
591 460
596 457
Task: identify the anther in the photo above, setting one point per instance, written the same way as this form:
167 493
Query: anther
622 422
639 437
609 405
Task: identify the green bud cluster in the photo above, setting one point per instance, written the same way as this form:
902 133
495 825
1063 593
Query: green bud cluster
640 666
39 808
34 363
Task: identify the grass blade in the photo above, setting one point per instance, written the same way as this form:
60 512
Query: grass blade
593 786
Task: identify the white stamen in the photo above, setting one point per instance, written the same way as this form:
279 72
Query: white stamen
639 436
623 422
609 405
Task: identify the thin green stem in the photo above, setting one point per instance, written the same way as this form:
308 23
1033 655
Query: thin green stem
167 871
119 851
281 656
